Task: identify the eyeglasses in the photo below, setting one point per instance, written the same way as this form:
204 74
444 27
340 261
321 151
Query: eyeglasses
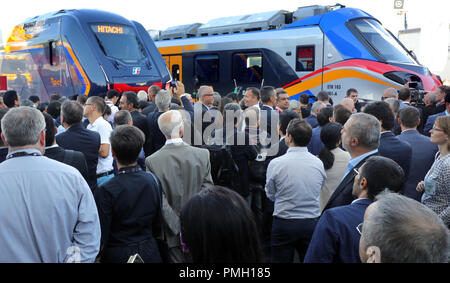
359 228
356 170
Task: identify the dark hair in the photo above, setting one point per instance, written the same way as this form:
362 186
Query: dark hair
233 96
107 110
127 142
323 96
341 114
350 90
324 115
330 135
286 117
42 106
383 112
9 97
224 101
55 97
217 226
34 98
82 99
54 109
254 91
112 93
301 132
266 93
404 94
409 116
381 173
72 112
445 89
2 113
304 98
50 129
131 98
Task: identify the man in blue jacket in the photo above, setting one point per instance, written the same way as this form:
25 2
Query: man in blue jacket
336 236
423 150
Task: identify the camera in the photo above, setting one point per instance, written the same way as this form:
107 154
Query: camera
173 83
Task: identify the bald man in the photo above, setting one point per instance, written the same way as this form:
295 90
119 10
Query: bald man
390 93
201 119
183 171
349 104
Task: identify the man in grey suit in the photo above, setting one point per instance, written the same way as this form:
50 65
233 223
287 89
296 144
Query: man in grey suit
423 150
183 171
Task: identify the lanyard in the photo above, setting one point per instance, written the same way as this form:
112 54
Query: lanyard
128 170
22 153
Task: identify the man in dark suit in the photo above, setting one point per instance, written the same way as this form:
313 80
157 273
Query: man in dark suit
361 138
156 139
152 91
312 119
335 237
52 150
431 119
202 116
423 150
78 138
390 146
269 99
129 102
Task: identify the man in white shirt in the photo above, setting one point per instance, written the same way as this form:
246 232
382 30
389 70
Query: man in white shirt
111 99
93 111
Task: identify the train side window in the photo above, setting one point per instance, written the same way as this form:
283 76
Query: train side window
176 72
304 59
206 68
247 67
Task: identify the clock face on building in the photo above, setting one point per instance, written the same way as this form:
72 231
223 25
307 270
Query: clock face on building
398 4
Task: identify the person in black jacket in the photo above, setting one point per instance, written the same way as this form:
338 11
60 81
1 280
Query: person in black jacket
156 139
390 146
361 138
129 101
78 138
129 205
54 151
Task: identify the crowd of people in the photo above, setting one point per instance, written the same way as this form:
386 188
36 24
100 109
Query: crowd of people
223 180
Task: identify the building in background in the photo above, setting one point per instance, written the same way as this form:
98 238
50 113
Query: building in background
411 38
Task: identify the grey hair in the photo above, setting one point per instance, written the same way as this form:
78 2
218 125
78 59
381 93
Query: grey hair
23 126
234 111
72 112
394 103
122 117
405 231
142 95
366 128
293 104
202 90
162 100
217 98
27 102
317 105
170 123
392 92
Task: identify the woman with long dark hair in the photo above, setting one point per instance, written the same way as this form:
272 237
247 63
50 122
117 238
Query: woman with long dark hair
217 226
334 160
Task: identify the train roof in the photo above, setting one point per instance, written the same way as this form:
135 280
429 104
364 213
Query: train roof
88 15
279 19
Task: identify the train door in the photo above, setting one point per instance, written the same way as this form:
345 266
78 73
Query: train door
174 64
308 63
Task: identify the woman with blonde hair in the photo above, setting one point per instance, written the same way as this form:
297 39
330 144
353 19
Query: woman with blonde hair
436 185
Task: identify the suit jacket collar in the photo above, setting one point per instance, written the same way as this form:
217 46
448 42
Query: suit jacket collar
410 132
387 134
173 146
364 201
77 127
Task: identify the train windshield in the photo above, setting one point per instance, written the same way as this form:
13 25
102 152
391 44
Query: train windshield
119 42
381 41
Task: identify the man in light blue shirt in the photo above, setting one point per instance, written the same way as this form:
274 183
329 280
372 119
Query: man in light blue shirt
47 211
294 181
